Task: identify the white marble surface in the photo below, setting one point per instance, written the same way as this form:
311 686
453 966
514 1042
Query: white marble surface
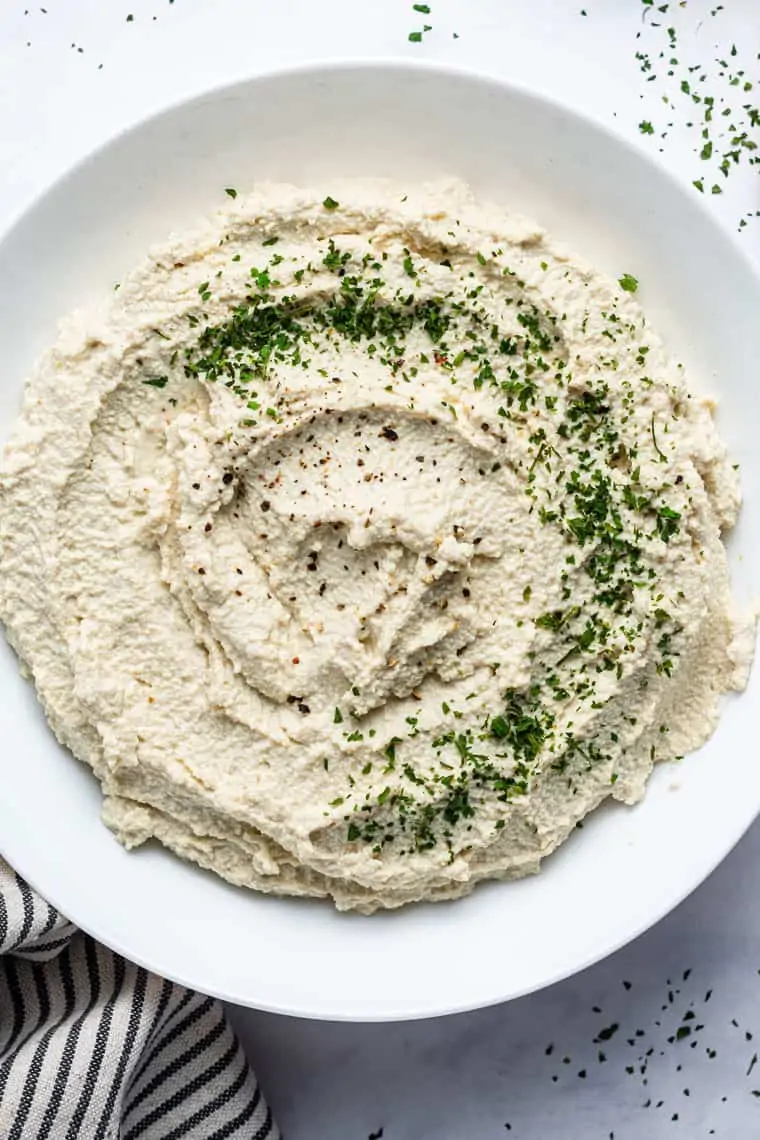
74 73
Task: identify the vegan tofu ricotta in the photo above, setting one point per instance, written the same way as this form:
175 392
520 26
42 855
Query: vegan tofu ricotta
364 541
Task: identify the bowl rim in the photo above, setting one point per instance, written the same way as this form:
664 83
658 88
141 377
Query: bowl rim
386 62
326 66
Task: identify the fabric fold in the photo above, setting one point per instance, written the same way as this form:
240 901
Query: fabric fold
93 1047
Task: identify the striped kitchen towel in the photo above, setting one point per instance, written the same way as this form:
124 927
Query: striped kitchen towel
94 1048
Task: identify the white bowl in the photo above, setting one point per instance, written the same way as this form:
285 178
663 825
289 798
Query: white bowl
628 867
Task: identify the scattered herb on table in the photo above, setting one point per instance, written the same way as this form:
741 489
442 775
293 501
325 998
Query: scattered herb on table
712 97
416 37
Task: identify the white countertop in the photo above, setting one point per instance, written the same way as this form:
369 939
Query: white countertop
73 74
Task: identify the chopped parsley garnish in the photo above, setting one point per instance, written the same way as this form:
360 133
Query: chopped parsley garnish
577 452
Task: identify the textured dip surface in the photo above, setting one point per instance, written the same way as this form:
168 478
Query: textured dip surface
363 542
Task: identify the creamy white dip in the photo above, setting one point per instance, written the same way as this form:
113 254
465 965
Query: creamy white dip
364 542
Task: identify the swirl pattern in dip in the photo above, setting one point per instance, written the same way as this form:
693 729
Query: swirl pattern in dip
364 542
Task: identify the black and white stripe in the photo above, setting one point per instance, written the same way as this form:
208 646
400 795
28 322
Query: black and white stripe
94 1048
